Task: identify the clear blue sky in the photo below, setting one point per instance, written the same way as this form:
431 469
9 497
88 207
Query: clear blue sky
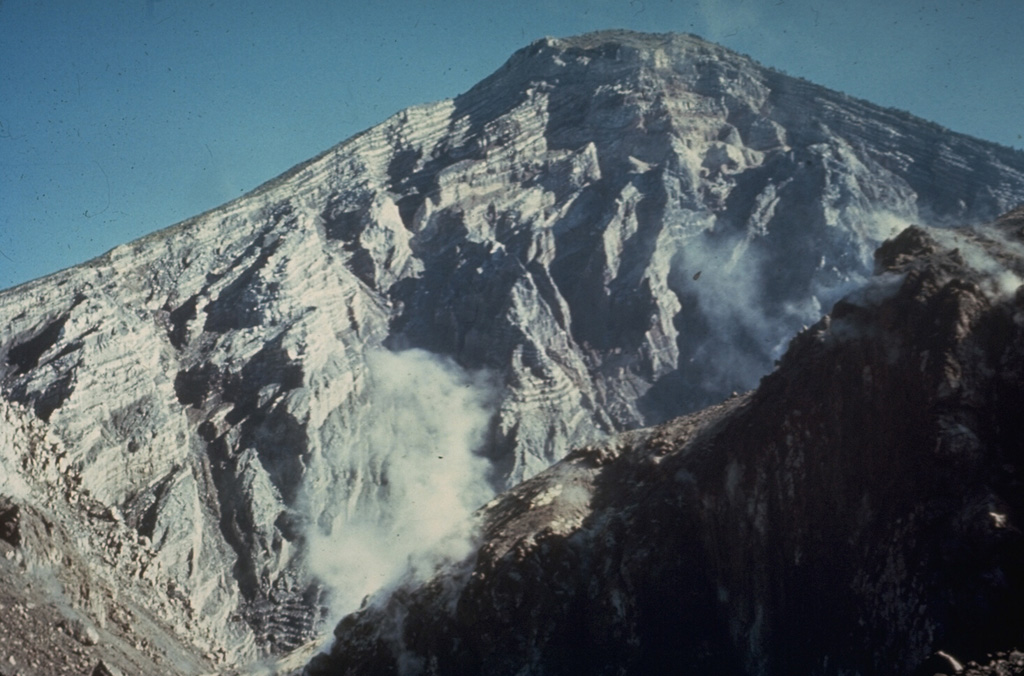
120 117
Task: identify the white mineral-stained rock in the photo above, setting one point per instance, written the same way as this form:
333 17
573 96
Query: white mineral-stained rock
610 230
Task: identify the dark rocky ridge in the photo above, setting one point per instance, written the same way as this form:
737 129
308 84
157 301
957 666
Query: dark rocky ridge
619 227
857 513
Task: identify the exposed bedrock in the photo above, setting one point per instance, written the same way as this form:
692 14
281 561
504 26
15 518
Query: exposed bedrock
609 231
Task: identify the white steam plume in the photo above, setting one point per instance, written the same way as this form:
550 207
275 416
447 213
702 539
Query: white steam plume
741 331
984 248
406 477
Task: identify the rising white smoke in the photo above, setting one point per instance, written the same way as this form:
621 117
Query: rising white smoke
742 331
405 475
974 246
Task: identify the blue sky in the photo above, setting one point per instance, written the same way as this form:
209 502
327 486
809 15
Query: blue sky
121 117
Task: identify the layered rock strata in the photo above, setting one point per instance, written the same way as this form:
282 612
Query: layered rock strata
859 512
609 231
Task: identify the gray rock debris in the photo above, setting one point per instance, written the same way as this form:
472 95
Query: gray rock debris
545 227
104 669
842 518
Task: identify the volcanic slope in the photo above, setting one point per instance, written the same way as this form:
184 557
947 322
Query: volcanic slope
860 512
609 231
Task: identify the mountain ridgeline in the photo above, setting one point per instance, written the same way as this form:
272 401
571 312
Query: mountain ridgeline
858 513
262 414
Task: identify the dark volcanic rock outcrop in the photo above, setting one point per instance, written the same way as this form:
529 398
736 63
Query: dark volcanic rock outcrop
858 513
609 231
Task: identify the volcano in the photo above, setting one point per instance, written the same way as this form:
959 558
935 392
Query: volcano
220 438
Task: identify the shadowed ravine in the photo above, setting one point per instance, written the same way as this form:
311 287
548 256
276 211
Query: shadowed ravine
218 439
856 513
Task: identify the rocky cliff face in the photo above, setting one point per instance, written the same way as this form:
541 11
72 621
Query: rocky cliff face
609 231
858 513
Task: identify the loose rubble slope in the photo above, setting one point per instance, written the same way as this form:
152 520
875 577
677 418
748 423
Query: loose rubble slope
611 230
859 512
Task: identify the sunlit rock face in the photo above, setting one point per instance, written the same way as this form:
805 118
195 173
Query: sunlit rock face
860 512
609 231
